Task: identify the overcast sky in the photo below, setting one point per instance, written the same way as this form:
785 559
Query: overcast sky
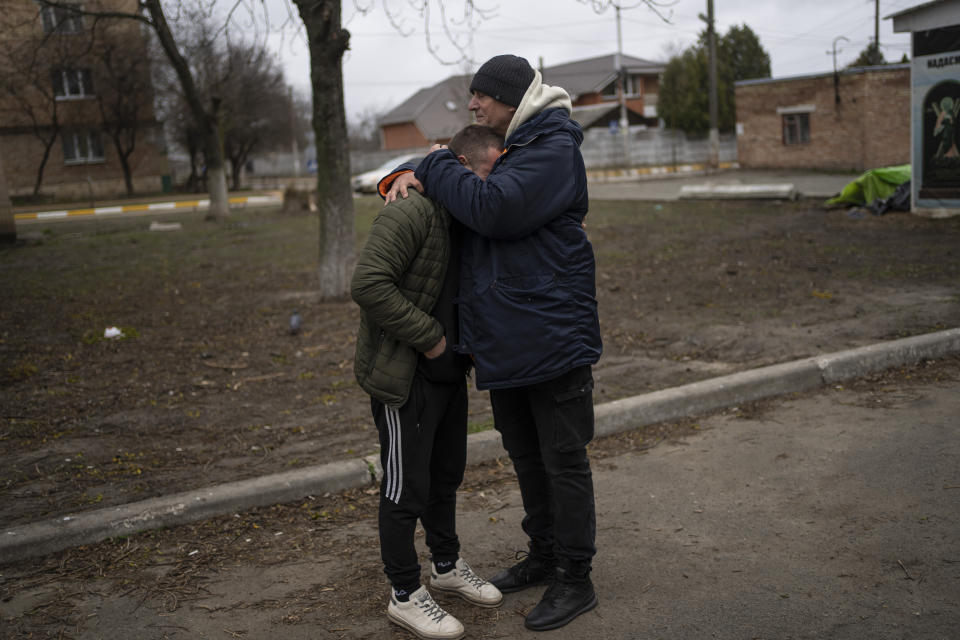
383 67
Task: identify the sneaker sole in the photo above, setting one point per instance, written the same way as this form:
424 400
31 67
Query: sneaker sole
565 621
426 636
528 585
460 594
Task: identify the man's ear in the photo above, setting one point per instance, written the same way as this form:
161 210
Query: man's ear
462 160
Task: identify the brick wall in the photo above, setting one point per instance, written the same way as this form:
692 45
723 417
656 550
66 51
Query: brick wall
869 127
24 151
402 136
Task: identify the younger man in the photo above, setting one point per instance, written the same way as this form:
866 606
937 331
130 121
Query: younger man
405 282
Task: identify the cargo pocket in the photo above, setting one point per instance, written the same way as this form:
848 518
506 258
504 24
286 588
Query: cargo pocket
573 416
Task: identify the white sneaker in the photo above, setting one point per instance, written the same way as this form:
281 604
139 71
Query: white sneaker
423 617
462 581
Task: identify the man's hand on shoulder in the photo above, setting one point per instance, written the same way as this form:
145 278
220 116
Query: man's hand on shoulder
437 350
400 186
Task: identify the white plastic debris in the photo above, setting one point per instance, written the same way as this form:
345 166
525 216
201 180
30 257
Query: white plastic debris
112 332
165 226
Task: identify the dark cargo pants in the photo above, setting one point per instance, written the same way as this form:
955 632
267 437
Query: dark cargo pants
546 428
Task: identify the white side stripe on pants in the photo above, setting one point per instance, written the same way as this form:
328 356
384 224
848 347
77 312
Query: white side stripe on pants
394 470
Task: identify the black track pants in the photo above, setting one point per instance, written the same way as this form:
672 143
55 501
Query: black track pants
423 451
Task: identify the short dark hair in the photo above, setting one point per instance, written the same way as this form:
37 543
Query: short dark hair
473 140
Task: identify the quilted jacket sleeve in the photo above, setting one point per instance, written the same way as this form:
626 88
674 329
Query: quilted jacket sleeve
397 234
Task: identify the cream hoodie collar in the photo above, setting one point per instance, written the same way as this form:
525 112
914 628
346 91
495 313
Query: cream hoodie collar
538 97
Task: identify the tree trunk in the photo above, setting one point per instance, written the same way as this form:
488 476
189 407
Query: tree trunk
125 165
207 122
42 167
217 187
216 174
8 226
328 41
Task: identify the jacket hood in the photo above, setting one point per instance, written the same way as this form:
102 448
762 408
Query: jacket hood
539 97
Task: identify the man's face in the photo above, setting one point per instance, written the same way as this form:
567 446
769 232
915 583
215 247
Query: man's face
485 164
490 112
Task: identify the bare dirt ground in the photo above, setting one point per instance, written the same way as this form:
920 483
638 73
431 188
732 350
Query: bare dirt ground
209 386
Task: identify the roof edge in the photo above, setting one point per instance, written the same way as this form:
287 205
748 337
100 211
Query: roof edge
824 74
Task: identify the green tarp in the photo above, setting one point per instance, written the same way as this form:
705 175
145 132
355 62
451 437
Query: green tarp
876 183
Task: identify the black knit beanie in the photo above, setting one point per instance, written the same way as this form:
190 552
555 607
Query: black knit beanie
504 78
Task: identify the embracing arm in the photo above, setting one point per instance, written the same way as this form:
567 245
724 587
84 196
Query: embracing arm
396 183
529 186
394 240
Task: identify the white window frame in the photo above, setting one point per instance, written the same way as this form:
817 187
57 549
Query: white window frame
61 19
82 146
73 84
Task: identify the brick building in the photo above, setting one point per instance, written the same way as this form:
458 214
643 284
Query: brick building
858 119
69 87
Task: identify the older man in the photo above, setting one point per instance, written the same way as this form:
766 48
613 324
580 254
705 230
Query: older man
528 316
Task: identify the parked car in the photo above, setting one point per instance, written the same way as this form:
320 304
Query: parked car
367 182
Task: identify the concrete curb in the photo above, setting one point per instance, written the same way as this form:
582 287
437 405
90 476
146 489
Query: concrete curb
273 198
49 536
784 191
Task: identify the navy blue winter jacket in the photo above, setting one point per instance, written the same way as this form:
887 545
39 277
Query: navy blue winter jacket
528 308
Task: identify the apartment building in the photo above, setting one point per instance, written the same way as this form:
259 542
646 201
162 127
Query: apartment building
77 118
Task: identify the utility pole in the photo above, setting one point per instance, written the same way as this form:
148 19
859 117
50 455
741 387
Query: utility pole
294 147
876 24
836 76
712 54
621 89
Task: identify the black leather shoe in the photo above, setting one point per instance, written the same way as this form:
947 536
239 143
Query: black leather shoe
529 572
563 601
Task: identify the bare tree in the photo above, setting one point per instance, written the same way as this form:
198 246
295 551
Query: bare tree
328 41
362 129
258 107
206 114
124 91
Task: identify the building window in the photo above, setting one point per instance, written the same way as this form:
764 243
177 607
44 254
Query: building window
72 83
796 128
62 19
81 147
632 86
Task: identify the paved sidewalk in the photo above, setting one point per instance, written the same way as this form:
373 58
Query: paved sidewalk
807 184
826 517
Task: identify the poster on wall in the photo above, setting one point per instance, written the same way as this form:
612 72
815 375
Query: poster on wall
935 77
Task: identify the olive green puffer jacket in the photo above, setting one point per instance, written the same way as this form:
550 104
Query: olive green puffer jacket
397 282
